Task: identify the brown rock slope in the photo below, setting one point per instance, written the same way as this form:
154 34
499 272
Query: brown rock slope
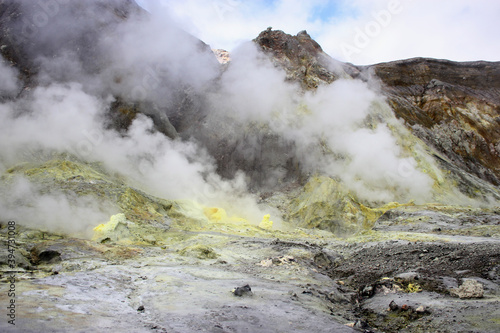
454 107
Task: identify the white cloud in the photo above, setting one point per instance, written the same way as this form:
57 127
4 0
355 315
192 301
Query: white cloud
458 30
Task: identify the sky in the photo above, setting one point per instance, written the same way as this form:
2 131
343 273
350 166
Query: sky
358 31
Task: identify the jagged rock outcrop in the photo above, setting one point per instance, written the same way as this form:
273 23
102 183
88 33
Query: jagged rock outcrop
301 57
268 158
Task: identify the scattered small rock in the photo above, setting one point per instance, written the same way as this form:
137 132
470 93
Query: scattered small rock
368 291
421 309
336 296
408 276
468 289
393 306
462 272
323 260
266 263
140 308
361 324
277 261
242 291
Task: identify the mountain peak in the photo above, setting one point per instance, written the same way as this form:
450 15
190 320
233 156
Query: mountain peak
301 56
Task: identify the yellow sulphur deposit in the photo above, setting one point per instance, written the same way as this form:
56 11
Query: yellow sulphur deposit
215 214
266 224
115 230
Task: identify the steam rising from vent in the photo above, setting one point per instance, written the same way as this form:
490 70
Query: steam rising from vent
146 58
334 129
371 161
57 211
9 84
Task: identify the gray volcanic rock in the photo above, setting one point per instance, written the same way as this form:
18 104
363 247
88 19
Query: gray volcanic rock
266 157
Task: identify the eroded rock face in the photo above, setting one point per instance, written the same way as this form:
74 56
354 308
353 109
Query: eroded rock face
454 107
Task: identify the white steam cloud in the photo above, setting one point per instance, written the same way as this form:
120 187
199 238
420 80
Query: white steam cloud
27 203
372 161
147 59
9 84
330 127
63 118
